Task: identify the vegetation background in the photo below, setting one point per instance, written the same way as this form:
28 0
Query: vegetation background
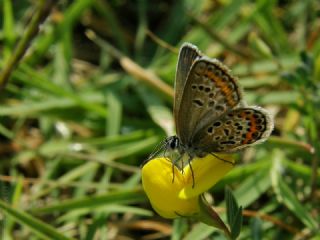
93 95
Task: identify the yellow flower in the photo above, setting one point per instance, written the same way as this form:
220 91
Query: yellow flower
174 196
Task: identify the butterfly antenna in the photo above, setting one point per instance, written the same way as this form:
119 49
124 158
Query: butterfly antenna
155 152
157 149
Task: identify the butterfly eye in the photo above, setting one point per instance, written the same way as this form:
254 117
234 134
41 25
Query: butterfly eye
173 143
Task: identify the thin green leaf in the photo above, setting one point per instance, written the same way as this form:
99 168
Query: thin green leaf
236 224
115 107
8 28
132 196
36 226
286 196
232 205
234 214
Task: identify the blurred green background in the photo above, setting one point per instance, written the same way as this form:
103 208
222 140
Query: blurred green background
92 97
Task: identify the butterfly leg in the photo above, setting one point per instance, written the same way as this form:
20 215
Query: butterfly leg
191 169
174 162
226 161
172 172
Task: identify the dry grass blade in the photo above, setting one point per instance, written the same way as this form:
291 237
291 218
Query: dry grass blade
133 68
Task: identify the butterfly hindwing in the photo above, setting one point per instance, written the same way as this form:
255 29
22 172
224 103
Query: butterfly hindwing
235 130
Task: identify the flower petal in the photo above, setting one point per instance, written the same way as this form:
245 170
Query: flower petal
157 176
207 172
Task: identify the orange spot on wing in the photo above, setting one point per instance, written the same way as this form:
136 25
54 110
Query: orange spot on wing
253 129
224 87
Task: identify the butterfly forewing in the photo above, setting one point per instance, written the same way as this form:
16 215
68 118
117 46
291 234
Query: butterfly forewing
209 92
235 130
187 55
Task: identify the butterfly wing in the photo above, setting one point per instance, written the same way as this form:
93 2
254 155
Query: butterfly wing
210 91
187 55
236 129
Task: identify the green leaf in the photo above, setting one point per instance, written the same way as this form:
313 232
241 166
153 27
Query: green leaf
232 206
8 28
236 224
131 196
234 214
36 226
115 107
210 217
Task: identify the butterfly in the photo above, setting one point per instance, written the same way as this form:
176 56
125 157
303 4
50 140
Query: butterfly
209 111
